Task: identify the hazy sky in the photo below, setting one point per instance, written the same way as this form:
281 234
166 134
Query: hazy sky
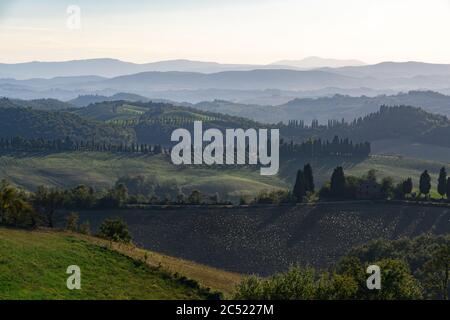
233 31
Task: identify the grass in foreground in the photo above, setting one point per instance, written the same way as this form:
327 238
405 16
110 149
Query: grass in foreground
33 266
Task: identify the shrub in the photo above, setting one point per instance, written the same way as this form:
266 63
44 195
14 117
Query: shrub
115 230
72 222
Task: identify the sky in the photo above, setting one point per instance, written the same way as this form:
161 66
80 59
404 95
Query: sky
227 31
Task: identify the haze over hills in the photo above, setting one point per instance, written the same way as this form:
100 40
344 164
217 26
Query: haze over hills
387 70
328 108
317 62
85 100
256 86
106 67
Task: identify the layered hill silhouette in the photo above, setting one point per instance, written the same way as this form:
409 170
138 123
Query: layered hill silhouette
331 107
152 122
398 122
106 67
392 77
51 125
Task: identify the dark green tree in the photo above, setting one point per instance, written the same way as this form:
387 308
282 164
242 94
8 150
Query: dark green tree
48 201
195 197
437 271
82 197
387 187
337 187
115 230
442 182
309 178
72 222
425 183
300 186
448 188
116 197
14 207
407 186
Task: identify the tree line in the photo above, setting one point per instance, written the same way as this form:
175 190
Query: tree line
348 187
56 145
341 186
316 148
40 208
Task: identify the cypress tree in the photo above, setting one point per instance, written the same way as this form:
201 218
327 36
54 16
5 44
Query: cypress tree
309 178
338 182
425 183
442 182
407 186
299 188
448 189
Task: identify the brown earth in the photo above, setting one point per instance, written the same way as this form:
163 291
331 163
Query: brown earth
268 239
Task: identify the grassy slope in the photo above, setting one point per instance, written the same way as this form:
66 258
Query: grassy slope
397 167
103 169
209 277
33 265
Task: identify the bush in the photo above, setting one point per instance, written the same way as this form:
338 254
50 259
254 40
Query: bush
72 222
296 284
15 210
115 230
347 281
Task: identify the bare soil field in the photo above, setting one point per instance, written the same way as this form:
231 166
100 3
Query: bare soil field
267 239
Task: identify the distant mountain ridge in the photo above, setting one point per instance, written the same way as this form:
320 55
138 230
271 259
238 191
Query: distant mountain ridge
317 62
388 70
326 108
106 67
244 84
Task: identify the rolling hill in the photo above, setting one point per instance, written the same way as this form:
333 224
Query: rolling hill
268 239
85 100
37 104
330 107
101 170
33 266
398 122
153 122
33 124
